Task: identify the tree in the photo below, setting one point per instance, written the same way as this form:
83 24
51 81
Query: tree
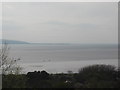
98 76
8 65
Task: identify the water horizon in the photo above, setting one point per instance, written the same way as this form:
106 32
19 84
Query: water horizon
67 56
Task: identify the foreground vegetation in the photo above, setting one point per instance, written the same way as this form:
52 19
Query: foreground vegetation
96 76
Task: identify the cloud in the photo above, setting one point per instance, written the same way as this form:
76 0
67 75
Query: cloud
11 26
61 22
80 26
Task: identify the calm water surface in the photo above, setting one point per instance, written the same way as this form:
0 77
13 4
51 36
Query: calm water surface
61 58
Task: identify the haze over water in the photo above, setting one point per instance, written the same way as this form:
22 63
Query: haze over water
62 58
64 22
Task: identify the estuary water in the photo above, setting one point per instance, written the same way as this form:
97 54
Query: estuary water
56 58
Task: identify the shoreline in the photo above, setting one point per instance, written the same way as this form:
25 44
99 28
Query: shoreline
64 66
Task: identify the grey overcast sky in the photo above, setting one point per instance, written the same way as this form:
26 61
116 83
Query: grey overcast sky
70 22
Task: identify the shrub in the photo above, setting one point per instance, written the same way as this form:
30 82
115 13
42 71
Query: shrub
98 76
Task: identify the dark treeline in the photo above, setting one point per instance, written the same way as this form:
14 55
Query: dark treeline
96 76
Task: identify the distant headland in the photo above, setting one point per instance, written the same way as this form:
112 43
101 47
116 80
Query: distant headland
13 41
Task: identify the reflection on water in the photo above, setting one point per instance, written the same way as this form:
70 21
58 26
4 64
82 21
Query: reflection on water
64 66
61 58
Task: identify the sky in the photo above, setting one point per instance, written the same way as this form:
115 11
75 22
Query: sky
59 0
70 22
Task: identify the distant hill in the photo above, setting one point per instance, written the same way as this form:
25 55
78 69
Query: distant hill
12 42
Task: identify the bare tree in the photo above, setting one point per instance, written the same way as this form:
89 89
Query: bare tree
8 65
